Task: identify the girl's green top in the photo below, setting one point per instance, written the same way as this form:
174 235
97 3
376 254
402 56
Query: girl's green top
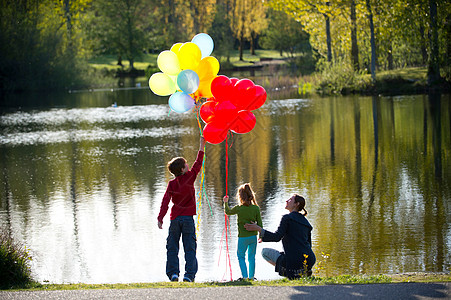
246 214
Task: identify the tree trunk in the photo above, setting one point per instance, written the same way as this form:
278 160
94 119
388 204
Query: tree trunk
448 48
434 67
241 46
424 51
328 36
373 42
253 38
68 17
328 39
390 57
354 45
195 14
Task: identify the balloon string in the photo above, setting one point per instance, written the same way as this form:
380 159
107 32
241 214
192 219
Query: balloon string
202 191
227 164
226 221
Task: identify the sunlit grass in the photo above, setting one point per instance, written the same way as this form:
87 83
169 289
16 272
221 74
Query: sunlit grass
304 281
110 61
344 279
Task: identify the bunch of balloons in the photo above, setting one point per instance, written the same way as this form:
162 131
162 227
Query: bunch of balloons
231 107
187 70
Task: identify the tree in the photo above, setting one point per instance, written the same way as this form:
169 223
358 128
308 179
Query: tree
202 14
306 10
121 29
41 44
373 42
221 31
354 44
238 23
284 34
257 21
433 66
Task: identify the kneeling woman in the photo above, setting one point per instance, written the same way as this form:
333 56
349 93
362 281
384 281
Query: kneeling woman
295 232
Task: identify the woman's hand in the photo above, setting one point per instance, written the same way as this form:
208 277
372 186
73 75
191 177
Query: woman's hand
225 199
252 227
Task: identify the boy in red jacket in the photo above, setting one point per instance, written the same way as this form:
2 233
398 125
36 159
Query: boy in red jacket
181 191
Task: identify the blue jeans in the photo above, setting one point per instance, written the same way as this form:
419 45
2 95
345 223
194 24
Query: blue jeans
181 226
247 244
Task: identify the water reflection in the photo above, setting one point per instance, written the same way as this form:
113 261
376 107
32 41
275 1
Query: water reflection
82 183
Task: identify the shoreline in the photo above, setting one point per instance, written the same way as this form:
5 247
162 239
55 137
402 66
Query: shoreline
409 277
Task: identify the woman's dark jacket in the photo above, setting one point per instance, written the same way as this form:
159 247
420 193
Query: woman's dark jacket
295 232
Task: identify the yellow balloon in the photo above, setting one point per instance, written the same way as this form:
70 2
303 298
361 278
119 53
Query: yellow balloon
207 68
176 47
161 84
174 78
189 56
168 62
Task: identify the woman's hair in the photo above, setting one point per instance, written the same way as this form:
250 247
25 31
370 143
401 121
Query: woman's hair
176 165
246 195
301 204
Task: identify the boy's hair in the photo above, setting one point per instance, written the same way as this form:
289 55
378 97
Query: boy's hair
176 165
246 195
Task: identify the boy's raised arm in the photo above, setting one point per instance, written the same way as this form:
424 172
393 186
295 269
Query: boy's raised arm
202 143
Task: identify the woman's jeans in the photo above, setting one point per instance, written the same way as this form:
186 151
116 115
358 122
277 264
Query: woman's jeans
247 244
181 226
270 255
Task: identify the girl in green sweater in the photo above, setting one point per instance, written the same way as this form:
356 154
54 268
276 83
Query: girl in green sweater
248 212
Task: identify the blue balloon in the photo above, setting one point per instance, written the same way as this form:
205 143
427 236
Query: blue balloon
181 102
188 81
204 42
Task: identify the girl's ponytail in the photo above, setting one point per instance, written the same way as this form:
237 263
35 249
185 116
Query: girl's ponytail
246 195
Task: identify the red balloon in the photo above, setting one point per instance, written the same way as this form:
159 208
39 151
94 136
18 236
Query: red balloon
259 99
207 111
234 80
214 133
221 88
225 112
244 122
244 93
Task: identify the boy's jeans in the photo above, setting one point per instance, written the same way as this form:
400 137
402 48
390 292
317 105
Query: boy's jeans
181 226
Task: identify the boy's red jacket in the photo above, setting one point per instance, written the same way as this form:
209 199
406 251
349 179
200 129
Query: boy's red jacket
181 191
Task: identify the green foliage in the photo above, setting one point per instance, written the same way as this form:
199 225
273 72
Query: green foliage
14 263
284 34
221 34
121 30
340 78
36 50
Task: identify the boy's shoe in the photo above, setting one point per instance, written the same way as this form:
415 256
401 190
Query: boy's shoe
186 279
175 277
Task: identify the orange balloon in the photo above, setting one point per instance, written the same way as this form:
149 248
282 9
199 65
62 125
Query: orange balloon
204 89
208 67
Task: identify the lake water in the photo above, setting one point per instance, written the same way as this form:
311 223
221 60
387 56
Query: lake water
82 182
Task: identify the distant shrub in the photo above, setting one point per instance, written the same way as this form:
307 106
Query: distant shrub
15 261
339 78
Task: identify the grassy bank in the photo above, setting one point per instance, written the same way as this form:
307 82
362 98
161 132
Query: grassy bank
310 281
328 80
